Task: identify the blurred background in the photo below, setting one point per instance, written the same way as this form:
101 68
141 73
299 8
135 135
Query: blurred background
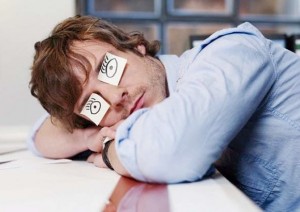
174 21
22 24
178 24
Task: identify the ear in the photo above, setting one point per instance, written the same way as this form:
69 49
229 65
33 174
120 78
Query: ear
141 49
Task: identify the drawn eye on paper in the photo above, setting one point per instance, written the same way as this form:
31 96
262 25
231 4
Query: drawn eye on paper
93 105
109 67
95 108
112 69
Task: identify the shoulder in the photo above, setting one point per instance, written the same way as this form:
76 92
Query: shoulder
245 33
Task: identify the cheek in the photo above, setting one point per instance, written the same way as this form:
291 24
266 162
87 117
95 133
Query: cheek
110 118
106 121
132 75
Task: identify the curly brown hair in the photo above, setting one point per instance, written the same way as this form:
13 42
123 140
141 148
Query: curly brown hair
53 81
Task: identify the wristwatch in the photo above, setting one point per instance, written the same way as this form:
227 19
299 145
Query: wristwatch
104 154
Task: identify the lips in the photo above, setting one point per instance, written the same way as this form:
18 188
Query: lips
138 104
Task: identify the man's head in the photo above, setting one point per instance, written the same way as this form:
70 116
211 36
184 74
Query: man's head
66 65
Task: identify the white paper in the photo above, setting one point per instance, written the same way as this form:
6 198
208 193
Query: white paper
112 69
95 108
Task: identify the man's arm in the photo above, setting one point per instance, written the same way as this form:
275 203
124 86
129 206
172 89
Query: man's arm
180 138
111 154
54 141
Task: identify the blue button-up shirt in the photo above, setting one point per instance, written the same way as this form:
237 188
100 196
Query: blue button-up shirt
234 103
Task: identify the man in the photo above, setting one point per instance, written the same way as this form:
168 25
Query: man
232 102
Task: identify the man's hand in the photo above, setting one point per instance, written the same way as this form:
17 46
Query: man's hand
95 139
95 144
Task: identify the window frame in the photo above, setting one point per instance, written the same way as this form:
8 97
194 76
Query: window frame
167 15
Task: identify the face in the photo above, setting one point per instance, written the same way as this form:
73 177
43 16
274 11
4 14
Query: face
142 84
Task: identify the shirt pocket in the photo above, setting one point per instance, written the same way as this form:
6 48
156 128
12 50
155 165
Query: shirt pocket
251 174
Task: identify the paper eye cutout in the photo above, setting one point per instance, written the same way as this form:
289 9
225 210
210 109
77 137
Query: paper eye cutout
109 67
112 69
95 108
93 105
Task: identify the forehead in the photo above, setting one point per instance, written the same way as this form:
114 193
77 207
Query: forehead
89 53
93 47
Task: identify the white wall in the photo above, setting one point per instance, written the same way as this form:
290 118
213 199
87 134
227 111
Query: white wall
22 23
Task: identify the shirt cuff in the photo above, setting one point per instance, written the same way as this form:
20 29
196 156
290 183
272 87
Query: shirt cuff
31 137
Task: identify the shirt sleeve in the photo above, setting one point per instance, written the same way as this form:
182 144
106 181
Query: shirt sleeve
31 137
180 138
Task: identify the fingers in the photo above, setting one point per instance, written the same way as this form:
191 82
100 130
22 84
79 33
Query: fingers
95 142
108 132
96 159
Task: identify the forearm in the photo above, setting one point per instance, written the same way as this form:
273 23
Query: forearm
53 141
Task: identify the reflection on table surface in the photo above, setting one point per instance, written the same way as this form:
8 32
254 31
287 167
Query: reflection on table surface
30 183
131 195
215 194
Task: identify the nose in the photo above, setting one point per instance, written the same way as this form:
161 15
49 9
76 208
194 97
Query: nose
116 96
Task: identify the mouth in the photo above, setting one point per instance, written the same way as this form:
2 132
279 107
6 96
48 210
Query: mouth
138 104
